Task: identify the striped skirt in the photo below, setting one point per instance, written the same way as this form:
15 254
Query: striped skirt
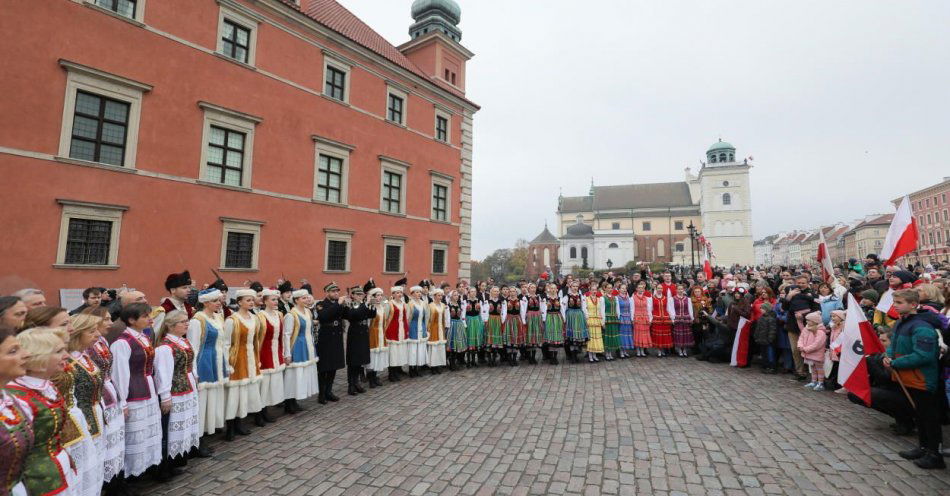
661 333
534 328
626 335
494 332
682 333
554 328
596 342
641 333
474 332
575 329
612 335
457 338
514 331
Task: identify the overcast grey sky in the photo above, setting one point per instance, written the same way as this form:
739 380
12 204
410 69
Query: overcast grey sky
844 105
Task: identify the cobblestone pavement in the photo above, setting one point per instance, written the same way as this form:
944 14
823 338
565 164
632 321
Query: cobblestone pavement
644 426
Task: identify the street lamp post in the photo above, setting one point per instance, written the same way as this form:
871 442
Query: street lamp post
692 246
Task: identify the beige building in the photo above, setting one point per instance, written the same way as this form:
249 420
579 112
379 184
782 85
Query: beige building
869 236
931 208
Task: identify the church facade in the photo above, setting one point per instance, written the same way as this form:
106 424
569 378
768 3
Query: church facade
614 225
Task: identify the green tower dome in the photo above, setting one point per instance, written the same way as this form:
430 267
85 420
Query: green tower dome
720 145
721 152
448 8
436 15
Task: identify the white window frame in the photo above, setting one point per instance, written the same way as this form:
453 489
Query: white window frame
439 245
396 166
90 211
248 19
337 235
335 149
435 125
446 181
332 60
392 90
85 78
401 243
233 120
139 16
240 226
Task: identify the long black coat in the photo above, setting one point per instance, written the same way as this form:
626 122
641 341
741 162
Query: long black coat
357 335
330 314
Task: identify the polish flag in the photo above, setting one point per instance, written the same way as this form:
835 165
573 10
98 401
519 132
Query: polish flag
740 347
902 236
707 268
886 304
827 269
856 341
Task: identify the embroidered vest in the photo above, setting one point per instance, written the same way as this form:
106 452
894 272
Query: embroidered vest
141 363
16 440
42 473
184 358
87 388
208 356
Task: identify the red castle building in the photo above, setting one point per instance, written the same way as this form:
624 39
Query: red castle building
259 138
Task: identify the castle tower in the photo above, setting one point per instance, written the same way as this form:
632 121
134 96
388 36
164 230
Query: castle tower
726 205
542 255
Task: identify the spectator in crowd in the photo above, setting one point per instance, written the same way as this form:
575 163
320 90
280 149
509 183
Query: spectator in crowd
12 312
91 298
31 297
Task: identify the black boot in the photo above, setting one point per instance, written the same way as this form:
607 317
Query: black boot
567 352
330 378
351 384
289 407
266 416
357 372
259 419
481 357
322 388
373 379
931 459
913 454
229 430
362 377
392 374
239 427
203 451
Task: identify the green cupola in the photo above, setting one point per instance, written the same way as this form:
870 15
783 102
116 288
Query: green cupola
436 15
721 152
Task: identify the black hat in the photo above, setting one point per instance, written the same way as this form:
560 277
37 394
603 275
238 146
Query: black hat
368 286
177 280
285 287
401 282
308 287
256 286
220 285
872 256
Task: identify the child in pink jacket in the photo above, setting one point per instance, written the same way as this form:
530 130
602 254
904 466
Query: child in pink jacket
811 343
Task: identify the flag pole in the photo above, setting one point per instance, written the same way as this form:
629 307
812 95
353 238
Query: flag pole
904 388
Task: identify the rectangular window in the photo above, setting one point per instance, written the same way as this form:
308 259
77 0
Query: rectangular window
441 128
392 192
122 7
438 261
929 219
235 41
240 251
330 179
678 225
99 129
680 248
336 84
393 258
930 236
927 202
225 163
615 226
336 255
440 198
395 108
646 226
88 242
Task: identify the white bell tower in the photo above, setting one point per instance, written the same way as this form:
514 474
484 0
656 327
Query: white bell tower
726 205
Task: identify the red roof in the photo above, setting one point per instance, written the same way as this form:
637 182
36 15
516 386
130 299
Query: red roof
880 220
835 234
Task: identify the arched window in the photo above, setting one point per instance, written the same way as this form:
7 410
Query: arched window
573 252
726 199
660 248
547 257
722 157
579 218
612 245
584 252
712 159
732 158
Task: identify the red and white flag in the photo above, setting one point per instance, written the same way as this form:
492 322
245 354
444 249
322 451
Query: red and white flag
902 236
856 341
707 268
886 304
740 347
824 258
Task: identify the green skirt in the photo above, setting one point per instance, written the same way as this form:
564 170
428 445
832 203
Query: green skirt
475 332
554 328
534 334
612 336
494 332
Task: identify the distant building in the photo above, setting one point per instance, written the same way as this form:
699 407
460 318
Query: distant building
931 209
542 255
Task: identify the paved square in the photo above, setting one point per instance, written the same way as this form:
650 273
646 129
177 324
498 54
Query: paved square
645 426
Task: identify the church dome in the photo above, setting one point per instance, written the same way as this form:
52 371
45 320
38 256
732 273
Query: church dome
580 230
720 145
448 8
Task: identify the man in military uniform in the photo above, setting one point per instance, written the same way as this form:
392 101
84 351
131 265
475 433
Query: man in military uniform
178 287
286 301
330 312
357 336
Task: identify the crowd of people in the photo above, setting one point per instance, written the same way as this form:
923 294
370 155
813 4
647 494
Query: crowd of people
116 389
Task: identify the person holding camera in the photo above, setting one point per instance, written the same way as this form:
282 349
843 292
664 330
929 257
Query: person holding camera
799 302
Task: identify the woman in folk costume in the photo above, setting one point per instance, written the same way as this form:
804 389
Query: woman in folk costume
378 351
642 314
594 302
457 339
575 321
661 328
682 321
16 416
177 384
475 315
514 326
611 322
418 338
625 313
244 380
47 468
439 324
210 344
495 311
301 379
552 315
114 420
271 354
86 380
132 374
534 324
396 329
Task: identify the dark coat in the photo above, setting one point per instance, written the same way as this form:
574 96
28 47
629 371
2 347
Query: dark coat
766 329
330 314
357 335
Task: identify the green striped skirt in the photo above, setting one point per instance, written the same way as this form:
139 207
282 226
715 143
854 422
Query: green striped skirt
494 332
612 336
554 328
575 329
514 331
458 340
474 331
534 334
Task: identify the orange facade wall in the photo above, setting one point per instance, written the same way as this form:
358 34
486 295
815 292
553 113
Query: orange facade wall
173 223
